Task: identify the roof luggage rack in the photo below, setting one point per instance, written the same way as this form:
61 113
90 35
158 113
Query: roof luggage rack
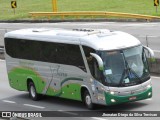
89 31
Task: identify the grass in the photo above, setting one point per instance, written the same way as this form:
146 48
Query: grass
25 6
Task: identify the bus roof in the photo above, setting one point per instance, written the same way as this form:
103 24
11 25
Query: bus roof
99 39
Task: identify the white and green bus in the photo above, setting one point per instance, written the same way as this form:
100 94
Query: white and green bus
94 66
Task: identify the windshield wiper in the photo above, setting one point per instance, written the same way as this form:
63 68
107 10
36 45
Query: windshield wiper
123 76
124 71
128 70
135 74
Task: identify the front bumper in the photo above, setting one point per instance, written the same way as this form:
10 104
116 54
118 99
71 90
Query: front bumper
115 99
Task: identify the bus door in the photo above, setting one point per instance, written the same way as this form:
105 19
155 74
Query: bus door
97 86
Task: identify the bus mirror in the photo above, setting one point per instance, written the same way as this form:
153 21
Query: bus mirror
99 60
150 51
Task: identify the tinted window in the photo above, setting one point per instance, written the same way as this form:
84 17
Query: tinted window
90 59
45 51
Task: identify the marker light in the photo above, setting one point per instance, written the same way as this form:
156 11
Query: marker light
149 93
91 80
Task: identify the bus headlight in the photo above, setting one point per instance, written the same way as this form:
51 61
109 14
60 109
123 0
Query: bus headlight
112 93
113 100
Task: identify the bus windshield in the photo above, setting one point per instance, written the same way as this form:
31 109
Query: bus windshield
126 67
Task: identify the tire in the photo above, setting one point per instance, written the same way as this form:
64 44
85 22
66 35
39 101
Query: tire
88 101
32 92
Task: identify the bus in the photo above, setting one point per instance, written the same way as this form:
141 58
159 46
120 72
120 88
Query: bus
95 66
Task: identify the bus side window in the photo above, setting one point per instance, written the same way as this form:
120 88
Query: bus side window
97 72
70 55
87 51
51 52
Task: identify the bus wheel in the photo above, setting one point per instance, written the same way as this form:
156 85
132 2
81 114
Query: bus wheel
32 92
87 100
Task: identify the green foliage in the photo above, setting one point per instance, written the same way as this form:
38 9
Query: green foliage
26 6
152 60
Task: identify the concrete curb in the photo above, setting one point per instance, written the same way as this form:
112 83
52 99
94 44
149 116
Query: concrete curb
79 20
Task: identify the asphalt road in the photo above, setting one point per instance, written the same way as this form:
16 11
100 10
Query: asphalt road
12 100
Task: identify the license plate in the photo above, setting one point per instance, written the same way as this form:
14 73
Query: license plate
133 98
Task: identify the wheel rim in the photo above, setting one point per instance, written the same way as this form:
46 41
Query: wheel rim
88 100
33 92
